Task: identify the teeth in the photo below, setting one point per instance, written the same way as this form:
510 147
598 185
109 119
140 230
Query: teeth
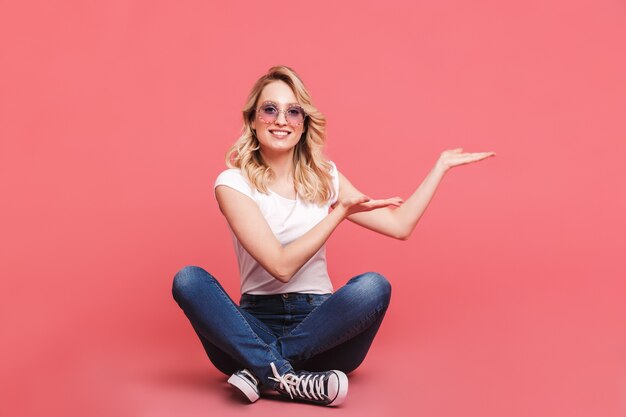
279 133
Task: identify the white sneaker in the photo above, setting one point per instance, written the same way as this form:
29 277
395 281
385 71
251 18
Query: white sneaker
246 383
324 388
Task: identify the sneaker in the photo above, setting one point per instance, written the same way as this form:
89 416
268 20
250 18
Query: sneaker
324 388
246 383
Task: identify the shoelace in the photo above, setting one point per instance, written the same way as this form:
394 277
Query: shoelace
305 386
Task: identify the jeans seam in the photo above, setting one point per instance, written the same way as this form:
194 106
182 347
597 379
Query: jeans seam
231 304
261 328
307 317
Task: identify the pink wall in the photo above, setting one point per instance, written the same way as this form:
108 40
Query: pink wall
508 298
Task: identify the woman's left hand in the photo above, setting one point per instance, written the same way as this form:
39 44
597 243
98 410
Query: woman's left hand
454 157
361 203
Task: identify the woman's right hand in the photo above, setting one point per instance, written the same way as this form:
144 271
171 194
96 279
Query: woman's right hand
360 203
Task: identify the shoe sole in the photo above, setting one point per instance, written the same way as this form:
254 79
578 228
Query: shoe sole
245 387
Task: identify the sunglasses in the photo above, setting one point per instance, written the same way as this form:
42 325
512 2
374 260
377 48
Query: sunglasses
268 113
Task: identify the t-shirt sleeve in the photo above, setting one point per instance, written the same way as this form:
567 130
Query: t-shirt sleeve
335 176
234 179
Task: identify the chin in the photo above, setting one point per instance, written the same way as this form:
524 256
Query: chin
277 147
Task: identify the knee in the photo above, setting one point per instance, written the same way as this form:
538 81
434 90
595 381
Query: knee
187 280
374 286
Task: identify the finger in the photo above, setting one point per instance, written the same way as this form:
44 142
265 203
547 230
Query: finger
376 204
387 203
470 157
477 153
373 206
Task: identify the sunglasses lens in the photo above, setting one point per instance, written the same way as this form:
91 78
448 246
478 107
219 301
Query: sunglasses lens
295 115
269 113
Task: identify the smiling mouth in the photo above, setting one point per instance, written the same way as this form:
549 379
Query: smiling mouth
280 133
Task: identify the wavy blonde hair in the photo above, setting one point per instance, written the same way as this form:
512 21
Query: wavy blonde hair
312 172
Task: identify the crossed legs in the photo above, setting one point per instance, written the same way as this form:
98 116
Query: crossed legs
335 335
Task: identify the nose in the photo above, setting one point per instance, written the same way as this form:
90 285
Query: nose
281 119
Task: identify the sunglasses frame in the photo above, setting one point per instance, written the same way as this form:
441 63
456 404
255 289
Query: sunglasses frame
284 112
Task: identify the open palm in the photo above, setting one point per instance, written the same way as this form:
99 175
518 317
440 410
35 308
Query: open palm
360 203
454 157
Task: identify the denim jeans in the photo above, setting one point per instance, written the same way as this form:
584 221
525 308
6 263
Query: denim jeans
294 330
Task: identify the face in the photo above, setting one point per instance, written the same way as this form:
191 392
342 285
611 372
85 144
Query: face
277 136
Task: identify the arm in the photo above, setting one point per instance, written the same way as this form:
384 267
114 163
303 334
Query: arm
400 222
251 229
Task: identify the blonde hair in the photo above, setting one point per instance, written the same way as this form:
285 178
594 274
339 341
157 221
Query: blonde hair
312 172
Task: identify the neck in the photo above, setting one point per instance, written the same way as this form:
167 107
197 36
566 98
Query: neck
281 164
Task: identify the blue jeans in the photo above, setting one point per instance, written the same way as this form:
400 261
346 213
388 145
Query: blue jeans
295 331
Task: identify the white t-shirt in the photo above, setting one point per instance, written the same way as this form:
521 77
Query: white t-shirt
288 219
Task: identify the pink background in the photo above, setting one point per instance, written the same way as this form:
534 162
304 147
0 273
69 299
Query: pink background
508 299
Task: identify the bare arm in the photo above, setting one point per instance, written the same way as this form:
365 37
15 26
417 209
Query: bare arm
253 232
400 222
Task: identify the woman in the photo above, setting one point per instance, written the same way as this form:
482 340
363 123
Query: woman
282 200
